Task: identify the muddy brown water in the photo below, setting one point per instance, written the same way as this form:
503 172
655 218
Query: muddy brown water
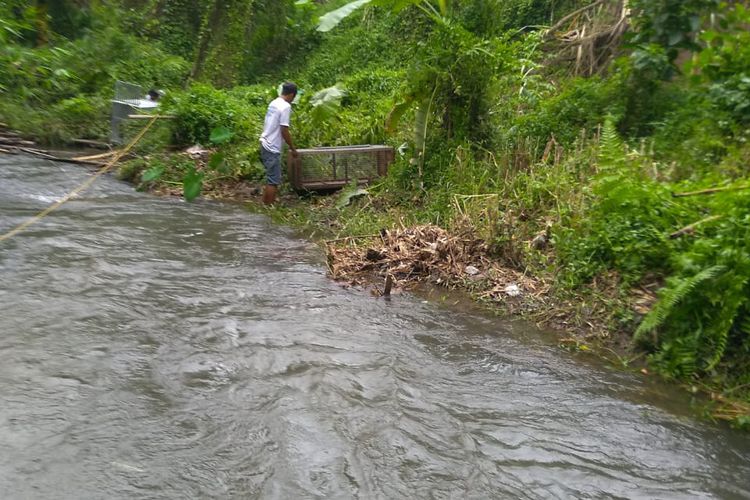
151 348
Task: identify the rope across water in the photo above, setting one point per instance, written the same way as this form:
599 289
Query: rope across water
83 186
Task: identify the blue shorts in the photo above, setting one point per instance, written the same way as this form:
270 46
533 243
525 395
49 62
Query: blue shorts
272 162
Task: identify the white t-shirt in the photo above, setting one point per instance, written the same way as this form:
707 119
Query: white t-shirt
277 116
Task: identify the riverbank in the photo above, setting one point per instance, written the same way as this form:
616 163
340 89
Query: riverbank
195 349
617 181
369 240
584 319
369 235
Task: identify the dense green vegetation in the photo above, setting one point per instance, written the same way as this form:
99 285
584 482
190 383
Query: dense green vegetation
514 113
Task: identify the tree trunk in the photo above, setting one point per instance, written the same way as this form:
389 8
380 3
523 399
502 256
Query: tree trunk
224 36
210 24
42 23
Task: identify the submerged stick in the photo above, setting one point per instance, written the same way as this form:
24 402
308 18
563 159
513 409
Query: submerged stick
63 159
388 285
37 152
15 141
89 142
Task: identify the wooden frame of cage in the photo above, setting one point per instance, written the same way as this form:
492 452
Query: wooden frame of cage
382 157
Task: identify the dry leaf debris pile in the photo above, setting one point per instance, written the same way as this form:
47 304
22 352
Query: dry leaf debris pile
428 253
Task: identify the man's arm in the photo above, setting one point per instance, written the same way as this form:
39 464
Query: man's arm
288 138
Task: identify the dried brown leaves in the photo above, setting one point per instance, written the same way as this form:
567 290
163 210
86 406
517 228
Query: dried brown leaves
429 254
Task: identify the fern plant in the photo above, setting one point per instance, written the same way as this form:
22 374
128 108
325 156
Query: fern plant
707 301
744 326
611 146
671 295
628 222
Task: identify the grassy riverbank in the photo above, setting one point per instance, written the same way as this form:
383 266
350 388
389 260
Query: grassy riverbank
609 170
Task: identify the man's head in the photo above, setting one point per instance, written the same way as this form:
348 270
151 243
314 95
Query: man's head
289 91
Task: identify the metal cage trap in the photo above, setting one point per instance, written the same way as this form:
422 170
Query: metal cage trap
330 168
128 99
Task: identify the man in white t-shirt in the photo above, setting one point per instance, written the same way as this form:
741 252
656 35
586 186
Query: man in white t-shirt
276 128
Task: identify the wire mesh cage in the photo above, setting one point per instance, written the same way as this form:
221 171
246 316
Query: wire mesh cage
129 98
128 93
323 169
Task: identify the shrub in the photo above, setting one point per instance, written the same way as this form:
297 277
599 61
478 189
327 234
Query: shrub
627 225
343 52
702 319
693 134
579 104
202 108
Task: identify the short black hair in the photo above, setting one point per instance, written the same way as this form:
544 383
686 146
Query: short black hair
289 88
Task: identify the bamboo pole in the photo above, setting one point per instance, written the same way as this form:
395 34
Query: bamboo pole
691 228
710 191
85 185
148 117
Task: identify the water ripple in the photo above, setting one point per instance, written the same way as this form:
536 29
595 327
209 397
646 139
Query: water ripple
152 348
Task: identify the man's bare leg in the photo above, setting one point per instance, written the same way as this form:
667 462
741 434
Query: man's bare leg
269 194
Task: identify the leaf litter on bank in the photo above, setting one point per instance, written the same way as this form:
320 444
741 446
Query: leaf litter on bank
427 253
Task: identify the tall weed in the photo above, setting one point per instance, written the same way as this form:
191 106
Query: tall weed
627 223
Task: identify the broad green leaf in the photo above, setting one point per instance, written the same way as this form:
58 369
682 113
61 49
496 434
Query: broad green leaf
324 113
331 94
350 195
394 116
420 127
709 36
675 38
217 162
220 135
326 104
332 19
443 7
192 184
152 174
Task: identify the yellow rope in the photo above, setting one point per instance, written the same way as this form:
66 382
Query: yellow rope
85 185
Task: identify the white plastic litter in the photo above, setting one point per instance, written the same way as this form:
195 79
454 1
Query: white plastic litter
471 270
196 151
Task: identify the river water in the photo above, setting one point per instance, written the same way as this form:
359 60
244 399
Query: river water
151 348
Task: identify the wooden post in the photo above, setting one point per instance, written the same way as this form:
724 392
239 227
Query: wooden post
388 285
